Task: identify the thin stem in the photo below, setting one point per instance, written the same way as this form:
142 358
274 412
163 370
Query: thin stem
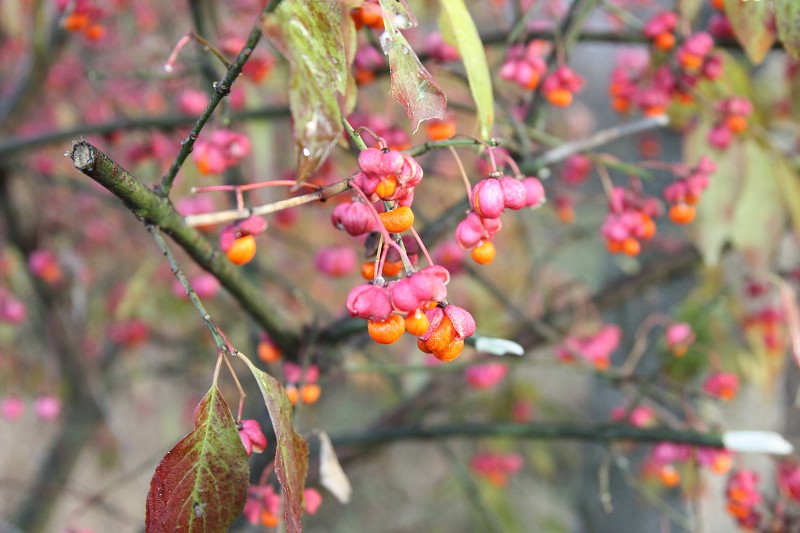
463 172
221 89
219 338
242 393
421 246
381 228
219 217
253 186
168 66
211 48
357 140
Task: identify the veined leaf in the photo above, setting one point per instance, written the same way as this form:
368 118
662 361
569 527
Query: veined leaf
753 25
473 54
413 86
787 18
309 35
291 457
200 486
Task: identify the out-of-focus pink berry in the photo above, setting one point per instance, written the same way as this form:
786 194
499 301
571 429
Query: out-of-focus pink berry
312 499
486 375
722 385
336 261
534 192
47 407
11 408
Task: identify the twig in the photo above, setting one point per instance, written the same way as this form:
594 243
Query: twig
221 89
586 432
159 211
598 139
230 215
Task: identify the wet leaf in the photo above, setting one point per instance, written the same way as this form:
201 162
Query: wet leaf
787 18
413 86
309 35
200 486
470 47
291 456
754 26
331 475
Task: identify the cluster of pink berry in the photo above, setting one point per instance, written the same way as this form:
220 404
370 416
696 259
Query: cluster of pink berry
84 17
743 497
629 220
310 391
667 459
596 348
490 197
652 83
415 302
496 467
220 151
238 240
679 336
263 504
525 66
732 121
722 385
684 193
765 316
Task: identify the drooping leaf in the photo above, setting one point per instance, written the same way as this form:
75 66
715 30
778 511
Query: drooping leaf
291 456
754 26
787 18
200 486
309 35
759 214
413 87
470 47
331 474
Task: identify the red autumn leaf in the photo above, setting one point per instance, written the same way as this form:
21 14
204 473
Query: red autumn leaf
200 486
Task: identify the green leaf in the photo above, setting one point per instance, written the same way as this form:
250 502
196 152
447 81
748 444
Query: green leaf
470 47
291 456
753 25
789 183
200 486
689 9
413 86
787 18
309 35
759 214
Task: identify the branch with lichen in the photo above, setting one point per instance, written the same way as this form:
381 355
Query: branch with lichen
159 211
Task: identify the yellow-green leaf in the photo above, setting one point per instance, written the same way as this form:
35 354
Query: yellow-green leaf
309 35
753 25
413 87
787 18
470 47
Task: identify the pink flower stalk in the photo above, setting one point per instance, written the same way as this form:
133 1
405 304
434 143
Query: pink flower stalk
11 408
486 375
47 408
252 437
722 385
370 302
336 261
